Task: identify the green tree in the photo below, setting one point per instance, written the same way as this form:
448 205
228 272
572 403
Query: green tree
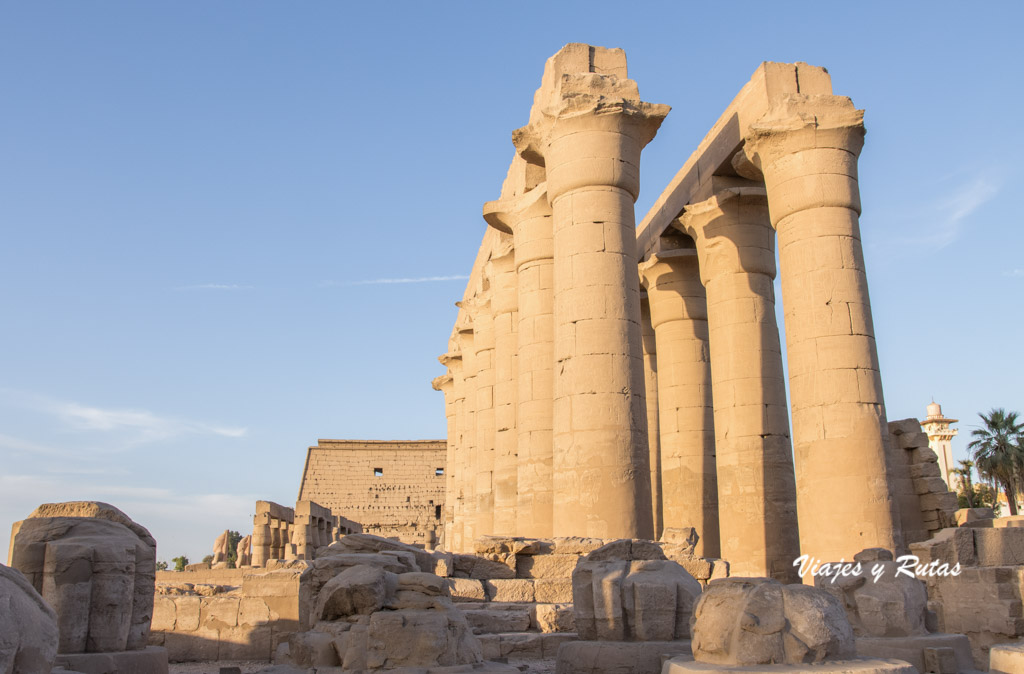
208 559
161 566
233 538
964 472
180 563
998 451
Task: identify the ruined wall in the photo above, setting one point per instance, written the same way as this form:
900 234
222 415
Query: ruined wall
229 614
405 500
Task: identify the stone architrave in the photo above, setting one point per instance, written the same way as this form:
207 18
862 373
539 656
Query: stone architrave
528 218
504 301
95 567
679 315
806 147
756 483
590 132
653 423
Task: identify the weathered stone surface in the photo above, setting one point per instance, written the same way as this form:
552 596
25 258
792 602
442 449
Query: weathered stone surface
466 589
97 571
509 545
1006 659
28 626
420 639
940 653
472 566
426 561
552 590
546 566
358 590
554 618
879 602
999 547
627 591
948 546
752 621
510 590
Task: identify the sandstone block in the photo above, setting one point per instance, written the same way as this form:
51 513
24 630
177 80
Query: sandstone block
466 589
968 515
999 547
617 657
312 649
357 590
471 566
420 639
546 566
574 545
913 440
878 601
554 618
1006 659
508 545
28 626
510 590
755 621
950 546
619 597
97 572
553 590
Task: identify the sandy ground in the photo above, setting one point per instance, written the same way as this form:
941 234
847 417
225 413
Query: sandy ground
253 666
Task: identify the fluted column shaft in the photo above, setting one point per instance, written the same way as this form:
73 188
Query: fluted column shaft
505 481
680 320
447 385
756 484
651 389
807 149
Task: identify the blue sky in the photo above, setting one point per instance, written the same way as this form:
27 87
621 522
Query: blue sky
232 228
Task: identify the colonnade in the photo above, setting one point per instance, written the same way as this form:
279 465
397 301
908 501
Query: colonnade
602 386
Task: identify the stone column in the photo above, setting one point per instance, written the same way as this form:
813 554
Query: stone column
807 149
528 218
503 303
482 469
651 389
262 539
754 456
465 505
679 315
590 137
446 384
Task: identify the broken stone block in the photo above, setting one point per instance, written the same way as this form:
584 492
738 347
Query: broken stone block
357 590
879 602
28 626
96 568
554 618
758 621
627 591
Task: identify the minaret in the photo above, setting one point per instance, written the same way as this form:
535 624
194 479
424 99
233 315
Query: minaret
940 438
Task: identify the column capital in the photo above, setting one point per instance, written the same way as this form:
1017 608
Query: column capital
443 383
733 232
505 215
806 146
451 360
591 133
672 284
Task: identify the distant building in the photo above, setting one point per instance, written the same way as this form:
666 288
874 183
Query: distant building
392 488
940 439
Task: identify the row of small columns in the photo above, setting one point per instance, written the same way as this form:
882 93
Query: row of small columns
571 340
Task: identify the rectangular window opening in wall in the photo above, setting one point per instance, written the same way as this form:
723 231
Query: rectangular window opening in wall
437 512
378 472
439 471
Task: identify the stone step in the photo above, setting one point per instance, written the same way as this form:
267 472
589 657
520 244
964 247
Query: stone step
524 645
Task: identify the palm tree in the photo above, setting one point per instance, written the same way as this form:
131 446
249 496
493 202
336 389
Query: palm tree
966 482
998 451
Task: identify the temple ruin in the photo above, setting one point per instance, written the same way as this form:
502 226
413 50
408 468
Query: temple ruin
610 379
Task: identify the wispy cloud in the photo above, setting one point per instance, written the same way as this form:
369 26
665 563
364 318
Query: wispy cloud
214 286
944 224
386 281
1014 273
132 427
